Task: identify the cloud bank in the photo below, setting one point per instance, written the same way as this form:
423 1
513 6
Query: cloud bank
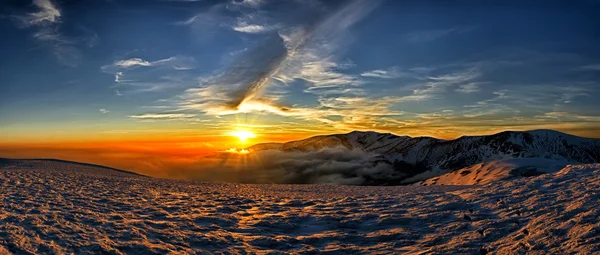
328 165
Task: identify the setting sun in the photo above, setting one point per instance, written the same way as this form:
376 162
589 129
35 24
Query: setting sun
243 135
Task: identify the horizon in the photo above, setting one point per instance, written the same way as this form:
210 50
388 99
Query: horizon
17 151
164 83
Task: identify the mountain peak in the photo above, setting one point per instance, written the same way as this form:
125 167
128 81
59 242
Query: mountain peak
367 132
412 157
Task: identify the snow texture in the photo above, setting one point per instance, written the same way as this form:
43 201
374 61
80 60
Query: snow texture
498 170
50 207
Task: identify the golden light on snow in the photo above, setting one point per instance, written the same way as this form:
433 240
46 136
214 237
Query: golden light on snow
243 135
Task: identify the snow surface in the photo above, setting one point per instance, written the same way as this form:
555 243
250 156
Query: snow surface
62 208
496 170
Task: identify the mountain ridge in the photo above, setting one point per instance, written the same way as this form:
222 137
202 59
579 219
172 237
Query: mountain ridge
425 157
27 162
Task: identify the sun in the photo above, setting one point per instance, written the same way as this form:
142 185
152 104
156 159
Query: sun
243 135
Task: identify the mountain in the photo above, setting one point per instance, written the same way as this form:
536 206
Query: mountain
419 158
497 170
64 165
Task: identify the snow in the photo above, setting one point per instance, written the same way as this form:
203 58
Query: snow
495 170
431 156
63 208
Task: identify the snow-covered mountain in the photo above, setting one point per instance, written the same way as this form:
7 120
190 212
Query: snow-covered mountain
420 158
497 170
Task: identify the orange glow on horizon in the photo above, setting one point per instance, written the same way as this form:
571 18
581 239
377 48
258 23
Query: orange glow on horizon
167 153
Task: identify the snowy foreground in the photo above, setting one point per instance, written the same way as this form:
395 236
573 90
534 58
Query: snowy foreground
57 208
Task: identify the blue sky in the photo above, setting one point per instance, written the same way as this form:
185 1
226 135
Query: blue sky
439 68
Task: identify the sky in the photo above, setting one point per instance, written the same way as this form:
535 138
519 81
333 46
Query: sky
178 77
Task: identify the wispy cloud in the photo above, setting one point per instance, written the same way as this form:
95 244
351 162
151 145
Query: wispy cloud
434 34
175 62
254 23
252 28
46 20
139 75
187 21
568 116
471 87
595 67
547 97
47 13
157 116
103 111
569 93
132 62
303 53
441 83
118 77
62 47
390 73
249 3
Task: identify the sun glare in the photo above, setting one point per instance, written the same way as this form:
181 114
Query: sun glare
243 135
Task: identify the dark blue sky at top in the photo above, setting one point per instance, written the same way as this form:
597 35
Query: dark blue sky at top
488 59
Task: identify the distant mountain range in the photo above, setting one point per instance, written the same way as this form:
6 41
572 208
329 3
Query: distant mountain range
420 158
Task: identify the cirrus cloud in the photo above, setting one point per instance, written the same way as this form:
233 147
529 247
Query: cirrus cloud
162 116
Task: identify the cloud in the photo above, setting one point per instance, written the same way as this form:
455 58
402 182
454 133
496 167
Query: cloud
569 93
595 67
252 28
118 76
440 83
175 62
132 62
456 77
301 53
391 73
325 166
139 75
155 116
103 111
62 47
471 87
254 23
46 22
519 101
188 21
568 116
434 34
248 3
47 13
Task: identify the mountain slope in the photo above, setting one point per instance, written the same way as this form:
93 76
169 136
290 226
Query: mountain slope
420 158
50 164
497 170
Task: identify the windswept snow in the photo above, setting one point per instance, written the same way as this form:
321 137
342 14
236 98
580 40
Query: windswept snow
62 208
497 170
